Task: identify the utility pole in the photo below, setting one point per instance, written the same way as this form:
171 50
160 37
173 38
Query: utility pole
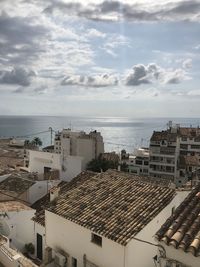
51 131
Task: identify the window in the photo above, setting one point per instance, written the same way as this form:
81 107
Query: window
173 209
138 162
74 262
195 146
96 239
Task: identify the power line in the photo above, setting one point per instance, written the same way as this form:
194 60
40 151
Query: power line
32 134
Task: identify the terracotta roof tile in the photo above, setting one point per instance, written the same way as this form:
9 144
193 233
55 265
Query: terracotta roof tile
16 183
114 204
164 135
44 202
182 229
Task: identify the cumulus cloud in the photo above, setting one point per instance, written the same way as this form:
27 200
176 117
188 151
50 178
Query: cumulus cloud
22 38
115 10
141 74
138 75
17 76
102 80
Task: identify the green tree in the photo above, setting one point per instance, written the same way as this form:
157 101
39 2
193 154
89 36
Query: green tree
37 141
101 164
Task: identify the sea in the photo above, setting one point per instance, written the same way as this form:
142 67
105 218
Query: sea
118 132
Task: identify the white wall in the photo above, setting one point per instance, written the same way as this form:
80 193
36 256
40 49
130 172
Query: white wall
68 166
20 227
39 189
177 254
76 241
39 159
39 229
73 165
135 250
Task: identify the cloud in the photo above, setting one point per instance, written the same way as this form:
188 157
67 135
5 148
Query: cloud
21 39
141 74
133 11
138 75
187 64
113 42
17 76
102 80
91 33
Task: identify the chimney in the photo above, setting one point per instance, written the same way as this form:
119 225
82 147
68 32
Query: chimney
54 193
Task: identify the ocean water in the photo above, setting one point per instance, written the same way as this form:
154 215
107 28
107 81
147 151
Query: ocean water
118 133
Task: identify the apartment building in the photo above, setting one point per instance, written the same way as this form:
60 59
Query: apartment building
138 163
71 143
169 149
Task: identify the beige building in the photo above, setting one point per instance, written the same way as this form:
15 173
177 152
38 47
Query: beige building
70 143
138 163
167 149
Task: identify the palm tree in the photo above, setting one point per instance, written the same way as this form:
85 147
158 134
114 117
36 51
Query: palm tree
37 141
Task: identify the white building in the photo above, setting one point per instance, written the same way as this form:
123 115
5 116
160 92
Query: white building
138 163
44 162
24 187
70 143
166 149
10 257
16 223
44 203
179 236
108 221
17 142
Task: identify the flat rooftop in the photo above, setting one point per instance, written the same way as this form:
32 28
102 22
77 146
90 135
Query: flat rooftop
13 206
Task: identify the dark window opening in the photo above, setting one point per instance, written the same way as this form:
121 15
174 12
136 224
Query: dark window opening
74 262
96 239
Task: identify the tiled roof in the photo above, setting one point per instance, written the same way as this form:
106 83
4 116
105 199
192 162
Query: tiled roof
16 183
182 228
164 135
114 204
171 137
10 158
44 202
189 132
13 206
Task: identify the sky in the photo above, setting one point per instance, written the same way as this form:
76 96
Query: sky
132 58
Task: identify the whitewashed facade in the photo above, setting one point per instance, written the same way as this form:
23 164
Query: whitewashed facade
74 240
68 167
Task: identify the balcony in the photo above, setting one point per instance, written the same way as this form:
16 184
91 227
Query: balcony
167 151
